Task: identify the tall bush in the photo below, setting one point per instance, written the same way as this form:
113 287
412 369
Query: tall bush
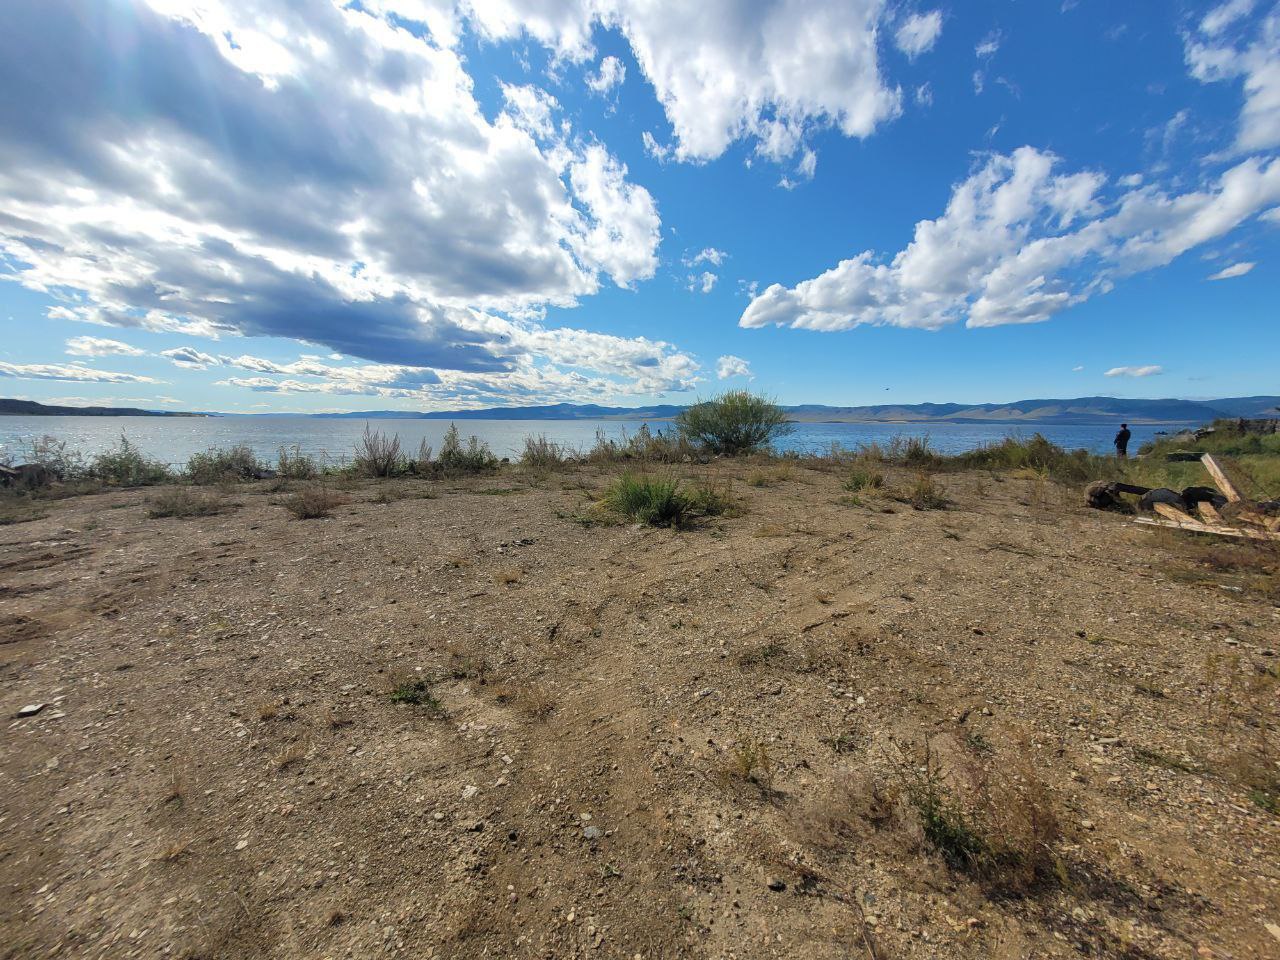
735 422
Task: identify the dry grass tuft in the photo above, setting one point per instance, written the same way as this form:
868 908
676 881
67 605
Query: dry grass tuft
268 710
313 503
292 754
182 502
509 575
174 852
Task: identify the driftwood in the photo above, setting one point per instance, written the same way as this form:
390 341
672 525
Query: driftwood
1220 479
1210 521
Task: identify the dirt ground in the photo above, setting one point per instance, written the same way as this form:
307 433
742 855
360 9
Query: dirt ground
632 742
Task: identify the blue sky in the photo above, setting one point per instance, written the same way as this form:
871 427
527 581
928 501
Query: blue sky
421 204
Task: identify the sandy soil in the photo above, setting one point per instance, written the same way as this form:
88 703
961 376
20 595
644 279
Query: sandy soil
220 769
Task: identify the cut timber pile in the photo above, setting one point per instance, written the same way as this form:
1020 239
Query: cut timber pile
1260 526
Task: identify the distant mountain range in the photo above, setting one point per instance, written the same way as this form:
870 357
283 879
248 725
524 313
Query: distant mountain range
1081 410
29 408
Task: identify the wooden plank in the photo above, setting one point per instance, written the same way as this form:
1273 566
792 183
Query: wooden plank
1220 479
1208 512
1170 512
1196 527
1252 516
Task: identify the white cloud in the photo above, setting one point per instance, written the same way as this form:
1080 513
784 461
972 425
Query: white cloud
1077 369
731 366
72 373
100 347
1222 16
611 74
1150 370
1257 62
919 32
339 184
706 282
723 72
988 45
1017 244
189 358
1235 270
706 255
924 95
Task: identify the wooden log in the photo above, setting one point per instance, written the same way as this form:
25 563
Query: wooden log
1208 512
1220 479
1171 512
1196 527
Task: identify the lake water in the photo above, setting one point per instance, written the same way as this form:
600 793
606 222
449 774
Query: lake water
174 440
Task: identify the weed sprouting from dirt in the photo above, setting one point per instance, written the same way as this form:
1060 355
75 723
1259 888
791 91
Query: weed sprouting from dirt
747 762
417 692
762 654
995 824
378 455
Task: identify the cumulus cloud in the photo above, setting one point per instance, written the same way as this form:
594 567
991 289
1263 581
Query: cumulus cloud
1234 270
1150 370
768 72
189 358
1018 243
731 366
73 373
918 33
100 347
307 171
1255 60
611 74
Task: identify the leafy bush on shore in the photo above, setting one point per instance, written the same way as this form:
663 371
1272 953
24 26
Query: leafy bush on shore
125 466
734 423
473 457
223 465
293 464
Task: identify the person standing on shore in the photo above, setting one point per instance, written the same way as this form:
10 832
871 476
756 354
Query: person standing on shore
1122 442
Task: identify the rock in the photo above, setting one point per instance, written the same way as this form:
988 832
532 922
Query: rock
469 791
777 884
592 833
30 710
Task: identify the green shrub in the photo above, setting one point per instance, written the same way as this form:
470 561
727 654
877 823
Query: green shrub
645 446
733 423
1037 454
863 478
474 457
293 464
125 466
218 465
